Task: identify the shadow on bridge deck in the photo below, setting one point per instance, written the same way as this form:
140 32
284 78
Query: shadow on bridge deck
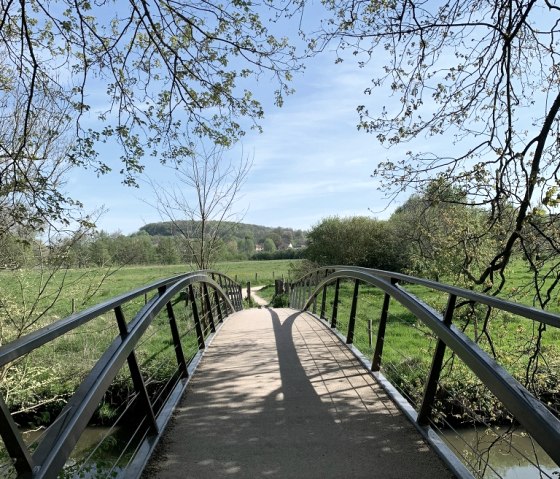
278 395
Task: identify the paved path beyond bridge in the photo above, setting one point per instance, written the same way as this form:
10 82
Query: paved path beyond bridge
278 396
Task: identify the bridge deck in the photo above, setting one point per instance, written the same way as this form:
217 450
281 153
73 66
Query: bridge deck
278 395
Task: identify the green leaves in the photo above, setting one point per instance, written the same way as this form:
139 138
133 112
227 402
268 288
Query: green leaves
167 66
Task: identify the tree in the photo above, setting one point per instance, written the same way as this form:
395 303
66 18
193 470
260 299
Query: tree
167 251
483 76
443 239
34 152
269 245
167 66
201 203
357 241
99 250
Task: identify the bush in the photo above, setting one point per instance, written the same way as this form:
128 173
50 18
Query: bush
279 254
357 241
280 301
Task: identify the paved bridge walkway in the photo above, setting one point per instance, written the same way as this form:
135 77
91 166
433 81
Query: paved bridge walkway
278 396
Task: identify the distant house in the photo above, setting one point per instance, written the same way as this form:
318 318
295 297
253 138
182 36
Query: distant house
259 247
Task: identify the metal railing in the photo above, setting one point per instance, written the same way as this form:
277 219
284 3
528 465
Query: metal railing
320 292
207 296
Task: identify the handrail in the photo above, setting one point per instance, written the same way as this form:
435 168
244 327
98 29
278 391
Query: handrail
529 312
527 409
51 454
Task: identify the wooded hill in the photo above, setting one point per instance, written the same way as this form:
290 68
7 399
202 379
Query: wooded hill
282 237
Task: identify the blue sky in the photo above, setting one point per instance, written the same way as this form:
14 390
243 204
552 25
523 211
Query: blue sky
309 162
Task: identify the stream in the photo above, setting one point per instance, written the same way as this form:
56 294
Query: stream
506 459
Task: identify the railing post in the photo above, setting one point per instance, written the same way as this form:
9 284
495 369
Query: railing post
335 303
218 306
430 389
176 337
376 361
314 309
292 298
197 324
14 443
352 321
249 291
239 298
323 302
315 297
136 374
208 307
227 288
306 291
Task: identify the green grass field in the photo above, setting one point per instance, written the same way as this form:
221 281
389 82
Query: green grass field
408 344
32 299
28 292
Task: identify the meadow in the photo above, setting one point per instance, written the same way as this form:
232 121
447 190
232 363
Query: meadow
408 344
37 386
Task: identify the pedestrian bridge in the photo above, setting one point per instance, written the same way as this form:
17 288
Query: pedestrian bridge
278 395
286 392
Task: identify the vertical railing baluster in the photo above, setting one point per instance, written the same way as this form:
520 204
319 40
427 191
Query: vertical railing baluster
291 296
176 337
218 306
352 321
378 353
335 303
236 293
208 307
324 297
136 374
316 282
228 294
230 298
323 302
14 442
430 389
314 309
240 296
196 318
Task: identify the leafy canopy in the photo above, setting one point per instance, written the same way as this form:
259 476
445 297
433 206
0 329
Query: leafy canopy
474 89
141 74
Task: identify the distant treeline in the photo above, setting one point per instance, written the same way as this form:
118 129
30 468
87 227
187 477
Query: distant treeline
228 232
156 243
